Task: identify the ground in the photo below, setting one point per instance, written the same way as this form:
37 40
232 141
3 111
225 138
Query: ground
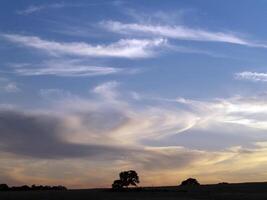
244 191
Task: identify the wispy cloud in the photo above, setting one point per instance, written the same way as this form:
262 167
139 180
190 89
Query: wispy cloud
9 86
249 112
55 94
81 130
107 90
159 16
30 9
124 48
65 68
37 8
251 76
178 32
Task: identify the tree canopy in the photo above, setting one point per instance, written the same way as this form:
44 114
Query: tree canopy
127 178
190 181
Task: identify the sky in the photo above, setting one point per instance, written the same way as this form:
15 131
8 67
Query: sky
171 89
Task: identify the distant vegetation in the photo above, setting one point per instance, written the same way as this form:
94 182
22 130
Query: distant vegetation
223 183
5 187
190 182
127 178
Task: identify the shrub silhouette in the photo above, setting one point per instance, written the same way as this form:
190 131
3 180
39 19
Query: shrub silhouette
4 187
127 178
117 184
223 183
190 182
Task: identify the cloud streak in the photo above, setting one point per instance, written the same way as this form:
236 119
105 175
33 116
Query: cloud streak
8 86
124 48
37 8
251 76
65 68
249 112
178 32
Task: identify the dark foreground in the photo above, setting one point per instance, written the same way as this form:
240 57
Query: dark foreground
244 191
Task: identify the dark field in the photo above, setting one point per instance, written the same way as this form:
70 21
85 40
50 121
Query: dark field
244 191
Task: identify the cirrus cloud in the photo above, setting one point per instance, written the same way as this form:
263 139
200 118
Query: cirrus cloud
178 32
124 48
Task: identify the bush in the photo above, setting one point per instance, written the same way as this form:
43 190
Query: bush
117 184
4 187
190 182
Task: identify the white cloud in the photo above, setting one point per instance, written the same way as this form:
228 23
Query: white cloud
11 87
250 112
66 68
77 71
251 76
37 8
30 9
107 90
178 32
124 48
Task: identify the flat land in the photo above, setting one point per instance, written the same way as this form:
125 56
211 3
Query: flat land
242 191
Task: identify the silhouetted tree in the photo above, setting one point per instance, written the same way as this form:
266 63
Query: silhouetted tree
117 184
190 182
4 187
127 178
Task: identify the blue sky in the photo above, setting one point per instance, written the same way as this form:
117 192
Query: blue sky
132 84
